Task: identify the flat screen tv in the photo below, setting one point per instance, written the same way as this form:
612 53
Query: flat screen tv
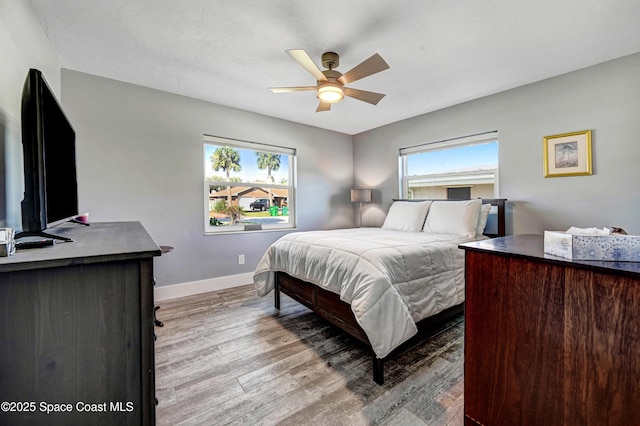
48 146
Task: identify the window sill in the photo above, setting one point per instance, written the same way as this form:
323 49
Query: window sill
257 231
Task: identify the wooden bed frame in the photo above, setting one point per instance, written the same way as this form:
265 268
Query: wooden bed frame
329 306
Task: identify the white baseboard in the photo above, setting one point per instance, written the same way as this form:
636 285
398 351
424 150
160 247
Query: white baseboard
203 286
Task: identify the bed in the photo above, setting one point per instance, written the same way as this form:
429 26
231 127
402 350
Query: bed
386 285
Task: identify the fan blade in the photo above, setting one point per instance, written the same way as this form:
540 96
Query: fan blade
303 58
369 67
363 95
291 89
323 106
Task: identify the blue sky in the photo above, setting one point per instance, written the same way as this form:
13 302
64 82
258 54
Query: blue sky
450 159
429 162
249 163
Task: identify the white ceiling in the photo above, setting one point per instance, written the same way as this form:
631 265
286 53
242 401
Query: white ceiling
440 52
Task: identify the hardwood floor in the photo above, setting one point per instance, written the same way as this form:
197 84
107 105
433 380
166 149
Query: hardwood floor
229 357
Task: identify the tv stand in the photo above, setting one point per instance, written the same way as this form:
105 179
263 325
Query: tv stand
42 234
76 328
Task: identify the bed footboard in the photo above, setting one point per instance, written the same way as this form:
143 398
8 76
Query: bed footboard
325 303
329 306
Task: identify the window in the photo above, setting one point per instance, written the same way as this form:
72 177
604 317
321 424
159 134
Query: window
460 168
459 193
248 186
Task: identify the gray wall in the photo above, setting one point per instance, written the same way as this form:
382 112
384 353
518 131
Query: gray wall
140 157
22 46
604 98
140 153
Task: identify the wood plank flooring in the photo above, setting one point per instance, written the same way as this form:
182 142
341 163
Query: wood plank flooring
229 357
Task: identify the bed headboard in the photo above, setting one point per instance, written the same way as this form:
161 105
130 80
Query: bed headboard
500 204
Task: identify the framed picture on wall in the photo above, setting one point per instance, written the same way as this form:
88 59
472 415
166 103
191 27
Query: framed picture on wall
568 154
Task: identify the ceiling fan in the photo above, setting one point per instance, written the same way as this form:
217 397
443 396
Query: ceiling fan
330 86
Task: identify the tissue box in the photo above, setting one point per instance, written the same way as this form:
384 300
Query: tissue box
613 248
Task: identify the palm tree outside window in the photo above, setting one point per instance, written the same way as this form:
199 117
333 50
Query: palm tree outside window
248 186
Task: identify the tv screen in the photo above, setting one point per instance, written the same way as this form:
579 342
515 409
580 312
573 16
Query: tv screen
48 144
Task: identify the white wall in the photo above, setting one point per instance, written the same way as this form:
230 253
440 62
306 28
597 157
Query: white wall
22 46
604 98
140 157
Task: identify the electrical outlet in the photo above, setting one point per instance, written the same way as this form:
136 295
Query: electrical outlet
241 259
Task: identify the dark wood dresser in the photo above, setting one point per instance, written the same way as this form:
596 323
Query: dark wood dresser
549 341
76 329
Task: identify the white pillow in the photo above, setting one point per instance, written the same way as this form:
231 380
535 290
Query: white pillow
406 215
482 219
453 217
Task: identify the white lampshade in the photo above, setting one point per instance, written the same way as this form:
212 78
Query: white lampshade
360 195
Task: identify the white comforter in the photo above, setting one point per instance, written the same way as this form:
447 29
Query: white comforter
391 279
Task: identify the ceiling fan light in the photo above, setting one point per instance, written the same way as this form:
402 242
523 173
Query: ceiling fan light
330 92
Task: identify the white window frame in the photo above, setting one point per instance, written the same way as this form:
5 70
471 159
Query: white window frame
257 147
476 139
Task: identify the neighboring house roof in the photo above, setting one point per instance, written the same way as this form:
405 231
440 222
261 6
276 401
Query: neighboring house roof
249 192
470 177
